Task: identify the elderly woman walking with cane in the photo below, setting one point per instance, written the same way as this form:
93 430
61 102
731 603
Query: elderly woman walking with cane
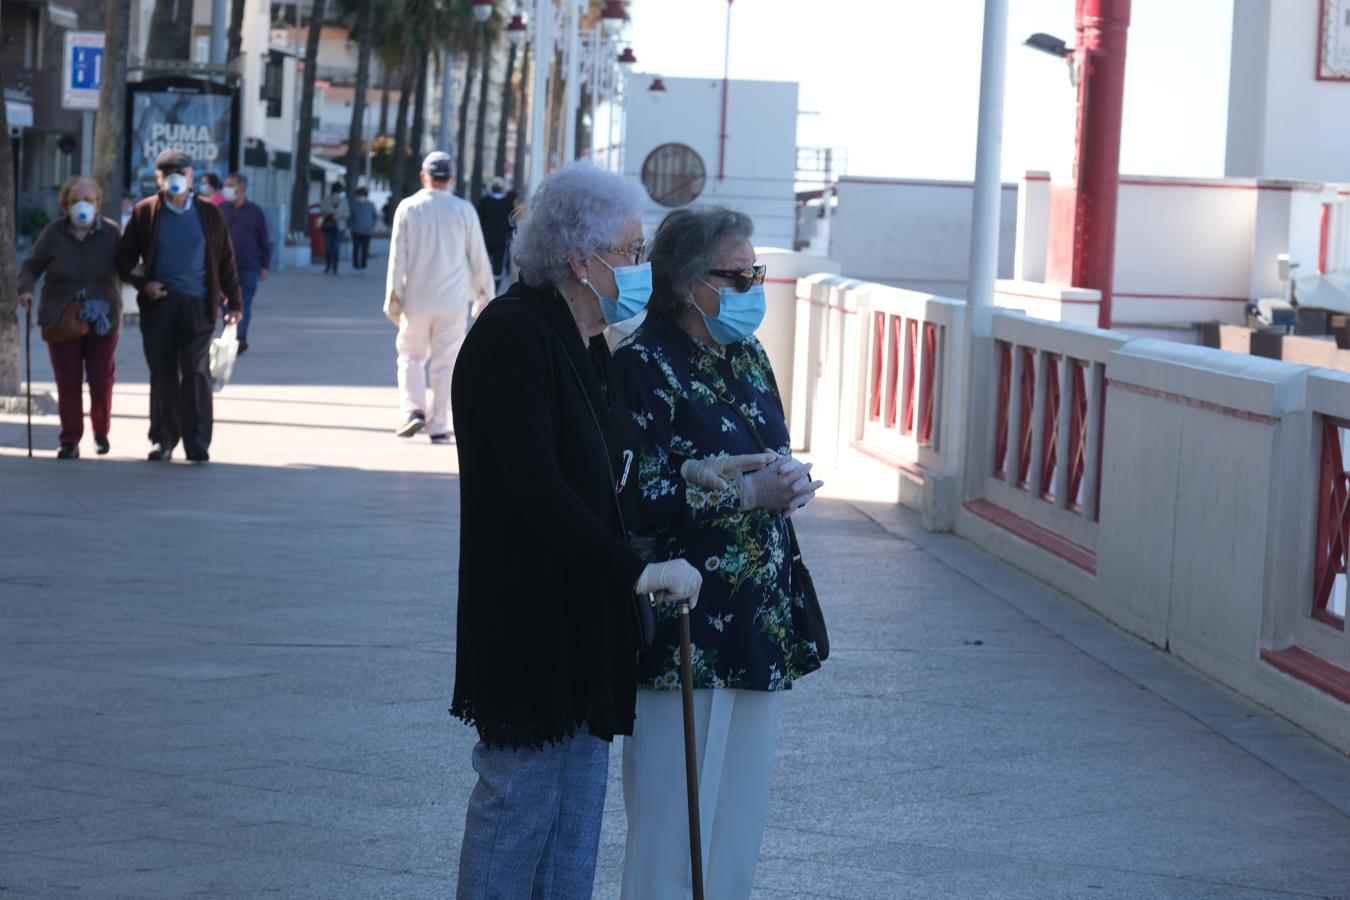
550 594
81 309
716 484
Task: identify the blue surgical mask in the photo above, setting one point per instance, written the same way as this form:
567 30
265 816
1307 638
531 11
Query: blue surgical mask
738 316
635 289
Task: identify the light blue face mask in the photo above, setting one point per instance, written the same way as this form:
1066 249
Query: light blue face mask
635 289
738 316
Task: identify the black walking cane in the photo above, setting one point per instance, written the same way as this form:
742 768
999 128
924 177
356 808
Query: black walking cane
28 366
690 751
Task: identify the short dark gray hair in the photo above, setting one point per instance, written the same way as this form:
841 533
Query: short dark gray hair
687 244
578 208
239 178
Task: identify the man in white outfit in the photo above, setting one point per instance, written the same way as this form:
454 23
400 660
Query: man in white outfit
438 269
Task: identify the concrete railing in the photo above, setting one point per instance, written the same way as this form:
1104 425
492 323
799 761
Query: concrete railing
1198 498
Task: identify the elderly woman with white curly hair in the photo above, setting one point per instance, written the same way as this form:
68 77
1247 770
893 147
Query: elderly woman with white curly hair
549 590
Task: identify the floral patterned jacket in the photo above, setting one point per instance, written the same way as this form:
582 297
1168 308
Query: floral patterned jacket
683 397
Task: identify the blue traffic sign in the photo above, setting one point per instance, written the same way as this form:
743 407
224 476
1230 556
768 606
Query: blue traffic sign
86 68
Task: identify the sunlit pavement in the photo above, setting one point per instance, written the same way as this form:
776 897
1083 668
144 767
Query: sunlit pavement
232 680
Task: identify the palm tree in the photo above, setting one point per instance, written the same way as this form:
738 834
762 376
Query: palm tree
300 192
419 117
522 126
365 35
9 275
112 106
507 110
480 128
462 133
398 166
236 33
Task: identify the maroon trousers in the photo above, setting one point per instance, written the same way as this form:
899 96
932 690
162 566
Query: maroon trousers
71 360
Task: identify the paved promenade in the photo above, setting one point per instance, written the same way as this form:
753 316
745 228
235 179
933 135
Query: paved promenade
231 681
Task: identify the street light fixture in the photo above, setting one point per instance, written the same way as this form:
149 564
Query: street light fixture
626 58
613 17
1048 43
515 30
482 9
658 87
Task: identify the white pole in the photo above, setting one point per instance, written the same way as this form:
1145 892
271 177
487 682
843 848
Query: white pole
972 361
573 80
87 142
989 157
541 19
218 25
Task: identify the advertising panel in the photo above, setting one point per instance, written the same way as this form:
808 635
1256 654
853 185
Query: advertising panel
199 117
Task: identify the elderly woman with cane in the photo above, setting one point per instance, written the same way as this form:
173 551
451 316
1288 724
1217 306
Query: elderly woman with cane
551 597
716 484
81 309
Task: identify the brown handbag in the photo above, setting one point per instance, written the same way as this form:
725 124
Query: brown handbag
70 327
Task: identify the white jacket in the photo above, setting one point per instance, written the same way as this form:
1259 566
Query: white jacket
438 263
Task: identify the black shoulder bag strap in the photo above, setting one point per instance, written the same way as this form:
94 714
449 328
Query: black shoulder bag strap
642 606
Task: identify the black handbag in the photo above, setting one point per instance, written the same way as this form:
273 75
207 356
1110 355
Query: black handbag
809 619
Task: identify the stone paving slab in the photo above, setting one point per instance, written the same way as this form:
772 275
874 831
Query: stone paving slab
231 681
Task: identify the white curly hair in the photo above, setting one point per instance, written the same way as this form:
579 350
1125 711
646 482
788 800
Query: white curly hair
578 208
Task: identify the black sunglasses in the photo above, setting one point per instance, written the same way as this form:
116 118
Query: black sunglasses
742 278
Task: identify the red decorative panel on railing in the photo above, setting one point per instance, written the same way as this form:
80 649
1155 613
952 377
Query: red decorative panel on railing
893 353
1004 398
1050 433
878 360
1025 424
1078 432
926 384
1333 523
910 385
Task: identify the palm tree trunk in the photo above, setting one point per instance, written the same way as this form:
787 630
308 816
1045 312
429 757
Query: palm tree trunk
366 28
300 193
507 110
555 116
384 102
398 165
171 30
419 120
9 274
236 43
480 128
461 137
112 108
519 181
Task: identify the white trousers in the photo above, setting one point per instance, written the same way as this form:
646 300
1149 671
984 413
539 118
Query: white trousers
428 344
736 738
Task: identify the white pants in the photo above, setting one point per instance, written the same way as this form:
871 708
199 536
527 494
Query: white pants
736 737
422 340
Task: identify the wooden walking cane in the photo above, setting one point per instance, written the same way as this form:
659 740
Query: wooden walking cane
690 751
28 366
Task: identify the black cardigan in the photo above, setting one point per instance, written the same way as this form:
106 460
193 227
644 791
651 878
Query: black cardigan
546 630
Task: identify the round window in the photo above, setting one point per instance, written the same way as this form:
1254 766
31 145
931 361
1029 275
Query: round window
673 174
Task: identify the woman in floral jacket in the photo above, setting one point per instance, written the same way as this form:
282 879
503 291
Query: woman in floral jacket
703 400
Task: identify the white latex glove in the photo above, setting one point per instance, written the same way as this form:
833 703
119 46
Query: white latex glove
785 486
803 488
716 473
670 582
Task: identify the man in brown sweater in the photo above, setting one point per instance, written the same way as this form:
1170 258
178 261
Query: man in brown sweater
178 255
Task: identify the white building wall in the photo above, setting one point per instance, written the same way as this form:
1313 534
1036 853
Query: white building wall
912 233
761 151
1282 121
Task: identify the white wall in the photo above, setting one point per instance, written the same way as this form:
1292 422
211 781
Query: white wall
1282 121
913 233
761 155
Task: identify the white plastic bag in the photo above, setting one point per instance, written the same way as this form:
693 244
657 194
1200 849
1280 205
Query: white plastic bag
224 349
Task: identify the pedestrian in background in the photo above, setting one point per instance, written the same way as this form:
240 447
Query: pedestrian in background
363 219
696 377
77 254
495 210
438 270
178 255
547 630
247 225
209 188
334 223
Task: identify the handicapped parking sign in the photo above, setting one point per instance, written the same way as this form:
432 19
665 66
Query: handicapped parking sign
82 70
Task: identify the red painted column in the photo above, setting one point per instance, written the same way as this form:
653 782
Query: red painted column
1082 245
